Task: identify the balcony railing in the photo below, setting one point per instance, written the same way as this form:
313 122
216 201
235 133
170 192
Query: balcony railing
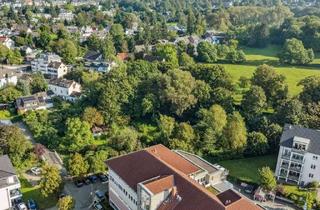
15 193
297 160
286 156
286 166
293 178
297 169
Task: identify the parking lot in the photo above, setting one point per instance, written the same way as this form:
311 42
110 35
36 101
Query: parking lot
84 195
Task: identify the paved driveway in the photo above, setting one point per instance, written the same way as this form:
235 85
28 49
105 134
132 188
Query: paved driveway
84 195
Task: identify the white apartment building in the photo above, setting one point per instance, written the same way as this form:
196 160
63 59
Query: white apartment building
157 178
9 184
8 77
49 64
299 155
66 89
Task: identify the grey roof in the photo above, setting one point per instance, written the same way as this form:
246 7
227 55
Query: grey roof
290 131
6 167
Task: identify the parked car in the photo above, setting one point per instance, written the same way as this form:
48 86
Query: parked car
97 206
247 188
31 204
21 206
79 183
36 171
87 181
62 195
100 195
93 178
103 178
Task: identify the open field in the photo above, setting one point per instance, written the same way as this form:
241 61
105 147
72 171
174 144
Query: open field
256 57
247 169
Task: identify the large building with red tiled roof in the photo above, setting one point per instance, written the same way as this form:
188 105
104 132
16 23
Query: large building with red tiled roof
158 178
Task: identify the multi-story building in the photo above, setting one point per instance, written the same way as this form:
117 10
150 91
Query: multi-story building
8 77
158 178
67 89
9 184
299 155
49 64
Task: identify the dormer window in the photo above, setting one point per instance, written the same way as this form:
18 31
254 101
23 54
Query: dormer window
300 143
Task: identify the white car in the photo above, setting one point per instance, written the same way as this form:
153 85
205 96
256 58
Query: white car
36 170
22 206
98 206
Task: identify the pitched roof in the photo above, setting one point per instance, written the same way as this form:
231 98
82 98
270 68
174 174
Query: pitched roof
157 161
60 82
173 159
291 131
6 167
160 184
92 55
55 64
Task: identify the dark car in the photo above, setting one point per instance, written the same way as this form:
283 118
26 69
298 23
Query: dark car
100 195
31 204
87 181
103 178
62 195
93 178
79 183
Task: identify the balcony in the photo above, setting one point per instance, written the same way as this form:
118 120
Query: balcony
285 165
295 168
286 156
283 174
15 193
293 178
298 160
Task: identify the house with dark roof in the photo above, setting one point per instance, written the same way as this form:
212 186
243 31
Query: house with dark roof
158 178
299 155
94 60
9 184
36 101
64 88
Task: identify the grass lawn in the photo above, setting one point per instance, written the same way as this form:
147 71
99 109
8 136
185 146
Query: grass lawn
247 169
29 191
256 57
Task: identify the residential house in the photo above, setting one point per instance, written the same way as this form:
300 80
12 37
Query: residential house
214 37
299 155
95 61
66 89
9 184
65 16
158 178
37 101
6 41
8 76
49 64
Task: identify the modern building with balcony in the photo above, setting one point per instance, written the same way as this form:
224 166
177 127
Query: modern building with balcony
49 64
158 178
299 155
9 184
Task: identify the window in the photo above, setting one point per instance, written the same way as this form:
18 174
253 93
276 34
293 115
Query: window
310 175
315 157
313 166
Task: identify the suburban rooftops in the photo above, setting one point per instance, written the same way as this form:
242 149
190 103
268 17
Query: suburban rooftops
6 167
60 82
291 132
172 170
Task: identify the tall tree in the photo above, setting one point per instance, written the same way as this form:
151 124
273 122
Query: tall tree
267 179
254 102
66 203
235 133
77 165
50 180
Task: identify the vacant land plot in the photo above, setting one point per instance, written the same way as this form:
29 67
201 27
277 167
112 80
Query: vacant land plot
247 169
256 57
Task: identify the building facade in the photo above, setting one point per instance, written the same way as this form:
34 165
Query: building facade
66 89
8 77
9 184
158 178
299 155
49 64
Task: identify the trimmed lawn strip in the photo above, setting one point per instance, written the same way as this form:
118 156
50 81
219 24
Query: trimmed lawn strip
247 169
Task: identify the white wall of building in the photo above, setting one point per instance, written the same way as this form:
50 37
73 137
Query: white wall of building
10 80
309 160
114 182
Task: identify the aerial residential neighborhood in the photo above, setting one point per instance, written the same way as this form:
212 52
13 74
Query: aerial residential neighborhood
159 105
